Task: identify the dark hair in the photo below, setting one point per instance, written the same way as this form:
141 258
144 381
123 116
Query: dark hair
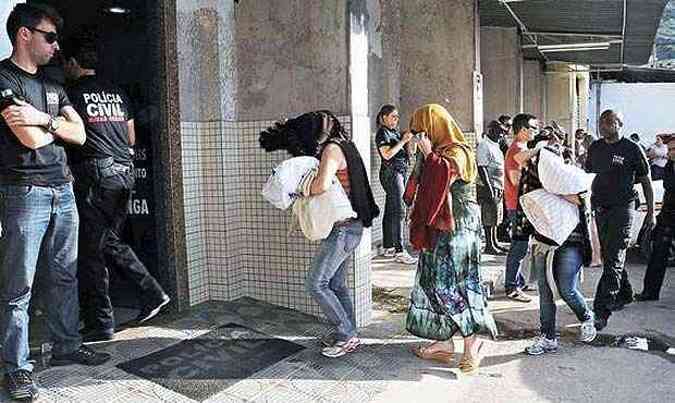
606 113
300 136
30 16
521 121
386 109
503 119
494 129
82 47
634 136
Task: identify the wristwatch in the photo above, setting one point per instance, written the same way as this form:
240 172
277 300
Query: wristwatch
53 125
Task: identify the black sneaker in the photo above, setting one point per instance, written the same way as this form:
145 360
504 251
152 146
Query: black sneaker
645 297
20 386
150 310
83 356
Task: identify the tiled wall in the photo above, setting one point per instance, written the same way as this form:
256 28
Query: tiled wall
192 195
238 244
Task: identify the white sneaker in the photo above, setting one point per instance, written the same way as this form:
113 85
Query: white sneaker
391 252
542 345
405 258
588 331
341 348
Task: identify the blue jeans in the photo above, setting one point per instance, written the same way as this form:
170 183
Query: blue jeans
40 227
566 267
326 281
512 277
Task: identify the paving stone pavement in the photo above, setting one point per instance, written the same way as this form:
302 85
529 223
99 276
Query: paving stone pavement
383 369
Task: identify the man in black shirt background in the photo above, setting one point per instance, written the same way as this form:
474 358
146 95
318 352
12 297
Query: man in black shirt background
38 211
104 180
663 234
619 163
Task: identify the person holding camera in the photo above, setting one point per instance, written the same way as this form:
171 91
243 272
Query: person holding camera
395 150
105 178
38 213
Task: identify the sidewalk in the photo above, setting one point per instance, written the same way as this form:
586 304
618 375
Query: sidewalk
246 350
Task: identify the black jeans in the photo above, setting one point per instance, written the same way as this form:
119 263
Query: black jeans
393 183
614 289
662 241
103 190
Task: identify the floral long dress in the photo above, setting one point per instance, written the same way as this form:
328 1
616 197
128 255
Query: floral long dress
447 295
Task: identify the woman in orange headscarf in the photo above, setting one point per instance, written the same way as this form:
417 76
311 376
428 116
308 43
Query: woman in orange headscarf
445 227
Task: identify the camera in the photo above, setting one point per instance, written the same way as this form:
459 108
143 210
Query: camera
417 136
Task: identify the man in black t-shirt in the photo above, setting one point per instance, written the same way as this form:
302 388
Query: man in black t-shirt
38 213
104 180
663 234
619 163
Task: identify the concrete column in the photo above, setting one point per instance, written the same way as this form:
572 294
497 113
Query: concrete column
561 101
292 58
584 91
533 88
440 59
502 67
358 34
5 45
206 60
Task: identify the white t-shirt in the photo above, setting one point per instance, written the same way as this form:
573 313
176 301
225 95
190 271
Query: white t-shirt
660 158
490 156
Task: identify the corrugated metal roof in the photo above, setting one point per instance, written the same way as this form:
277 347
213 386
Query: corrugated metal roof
595 17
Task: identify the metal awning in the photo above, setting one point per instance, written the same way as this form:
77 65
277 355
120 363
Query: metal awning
622 30
637 75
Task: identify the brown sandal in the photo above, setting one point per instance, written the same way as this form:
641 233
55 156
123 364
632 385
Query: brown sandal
438 355
470 365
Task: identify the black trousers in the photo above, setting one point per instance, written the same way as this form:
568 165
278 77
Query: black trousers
103 190
393 183
662 241
614 289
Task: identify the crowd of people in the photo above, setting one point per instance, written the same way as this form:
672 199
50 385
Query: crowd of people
447 220
53 182
66 176
608 207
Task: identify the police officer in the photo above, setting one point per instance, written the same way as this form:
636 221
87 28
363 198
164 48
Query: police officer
104 180
38 211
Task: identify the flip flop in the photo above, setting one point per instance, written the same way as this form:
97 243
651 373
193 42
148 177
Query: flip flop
471 365
438 355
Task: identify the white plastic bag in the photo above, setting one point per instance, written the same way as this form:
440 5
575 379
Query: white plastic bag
551 215
282 186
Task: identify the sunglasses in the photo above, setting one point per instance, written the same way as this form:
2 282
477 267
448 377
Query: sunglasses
50 37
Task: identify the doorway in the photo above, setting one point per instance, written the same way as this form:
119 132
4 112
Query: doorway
127 35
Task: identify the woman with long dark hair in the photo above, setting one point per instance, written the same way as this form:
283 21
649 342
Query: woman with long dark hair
395 149
320 134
